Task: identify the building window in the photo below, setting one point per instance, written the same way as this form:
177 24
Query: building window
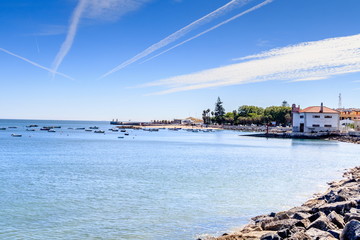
316 125
316 116
329 126
327 116
301 116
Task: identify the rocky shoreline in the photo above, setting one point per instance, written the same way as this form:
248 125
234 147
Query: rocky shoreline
334 214
346 138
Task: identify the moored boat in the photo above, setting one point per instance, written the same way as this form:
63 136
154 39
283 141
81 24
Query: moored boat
16 135
99 131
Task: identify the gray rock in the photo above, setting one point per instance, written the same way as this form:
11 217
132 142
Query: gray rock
278 225
284 233
336 219
315 216
339 207
315 233
282 216
301 215
335 233
303 223
354 210
351 231
322 223
299 236
350 216
270 236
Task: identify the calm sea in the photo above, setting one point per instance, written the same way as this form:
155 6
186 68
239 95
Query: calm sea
72 184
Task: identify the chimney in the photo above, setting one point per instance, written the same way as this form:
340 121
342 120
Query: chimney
322 108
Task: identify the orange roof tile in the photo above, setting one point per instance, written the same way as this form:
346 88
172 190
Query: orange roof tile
316 109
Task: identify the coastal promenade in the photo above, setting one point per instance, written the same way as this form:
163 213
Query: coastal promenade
334 214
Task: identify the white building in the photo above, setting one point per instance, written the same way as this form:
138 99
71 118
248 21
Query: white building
315 119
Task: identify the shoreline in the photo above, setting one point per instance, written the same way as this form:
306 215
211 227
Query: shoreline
334 214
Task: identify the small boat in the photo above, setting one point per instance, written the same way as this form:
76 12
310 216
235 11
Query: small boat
122 130
121 137
51 130
99 131
12 127
16 135
126 134
79 128
2 128
31 130
94 127
31 126
88 130
45 128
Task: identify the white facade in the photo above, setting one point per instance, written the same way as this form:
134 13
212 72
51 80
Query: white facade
315 119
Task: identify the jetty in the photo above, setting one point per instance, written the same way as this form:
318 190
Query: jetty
334 214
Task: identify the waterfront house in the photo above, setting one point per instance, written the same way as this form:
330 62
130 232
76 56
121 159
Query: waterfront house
315 119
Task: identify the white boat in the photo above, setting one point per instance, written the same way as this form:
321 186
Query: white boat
16 135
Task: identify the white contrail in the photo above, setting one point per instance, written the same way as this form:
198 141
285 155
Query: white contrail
35 64
65 47
173 37
212 28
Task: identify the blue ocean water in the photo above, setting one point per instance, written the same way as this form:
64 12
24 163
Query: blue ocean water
72 184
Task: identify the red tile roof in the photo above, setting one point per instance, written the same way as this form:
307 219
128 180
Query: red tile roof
316 109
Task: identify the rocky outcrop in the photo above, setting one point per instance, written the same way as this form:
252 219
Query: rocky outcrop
332 215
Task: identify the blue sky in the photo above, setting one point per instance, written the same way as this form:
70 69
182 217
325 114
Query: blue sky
93 60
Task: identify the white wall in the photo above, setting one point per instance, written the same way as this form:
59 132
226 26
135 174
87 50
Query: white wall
309 121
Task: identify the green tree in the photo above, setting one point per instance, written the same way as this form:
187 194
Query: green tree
206 116
278 114
219 111
250 111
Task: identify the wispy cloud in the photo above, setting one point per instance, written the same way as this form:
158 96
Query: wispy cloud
35 64
213 28
51 30
107 9
180 33
302 62
111 9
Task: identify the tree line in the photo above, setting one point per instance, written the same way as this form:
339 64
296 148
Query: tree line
246 115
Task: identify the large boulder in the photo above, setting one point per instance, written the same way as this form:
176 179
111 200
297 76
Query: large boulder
315 233
280 224
339 207
351 231
299 236
301 215
350 216
270 236
336 219
322 223
316 215
284 233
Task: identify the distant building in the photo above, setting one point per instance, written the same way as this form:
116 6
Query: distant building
352 114
315 119
187 121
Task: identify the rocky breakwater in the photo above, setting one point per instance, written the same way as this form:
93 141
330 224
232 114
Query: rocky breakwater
346 138
332 215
